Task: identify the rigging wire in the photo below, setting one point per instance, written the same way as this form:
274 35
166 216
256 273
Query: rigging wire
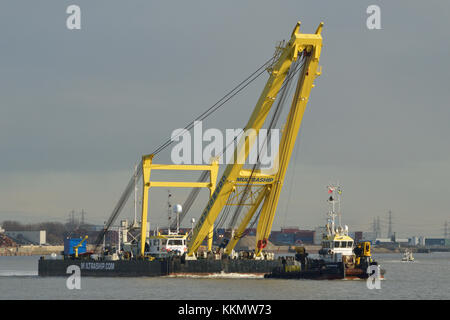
294 70
191 198
306 60
235 138
291 182
223 217
241 86
128 189
195 192
284 90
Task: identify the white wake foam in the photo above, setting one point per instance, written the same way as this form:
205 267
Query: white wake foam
17 273
219 276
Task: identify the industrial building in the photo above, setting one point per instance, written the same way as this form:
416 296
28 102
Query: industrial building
292 236
28 237
437 242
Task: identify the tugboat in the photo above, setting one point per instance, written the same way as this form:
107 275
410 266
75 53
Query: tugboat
407 256
339 257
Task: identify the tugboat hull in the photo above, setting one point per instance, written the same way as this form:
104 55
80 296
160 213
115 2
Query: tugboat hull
329 271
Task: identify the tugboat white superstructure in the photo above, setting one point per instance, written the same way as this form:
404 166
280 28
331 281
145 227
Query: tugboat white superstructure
337 245
174 243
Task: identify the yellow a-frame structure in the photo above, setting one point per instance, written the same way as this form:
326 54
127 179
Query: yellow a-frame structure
148 166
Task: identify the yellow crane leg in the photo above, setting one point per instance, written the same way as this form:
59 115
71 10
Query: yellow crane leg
225 185
212 187
251 212
304 86
210 238
146 169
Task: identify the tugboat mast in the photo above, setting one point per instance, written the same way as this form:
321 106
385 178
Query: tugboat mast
334 201
169 211
173 209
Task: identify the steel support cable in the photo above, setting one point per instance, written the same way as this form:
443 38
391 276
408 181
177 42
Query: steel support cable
292 181
276 115
190 199
252 224
275 186
289 119
241 86
275 118
225 213
292 177
126 193
194 193
235 138
128 189
119 206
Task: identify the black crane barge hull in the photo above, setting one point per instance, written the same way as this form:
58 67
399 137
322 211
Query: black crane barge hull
156 268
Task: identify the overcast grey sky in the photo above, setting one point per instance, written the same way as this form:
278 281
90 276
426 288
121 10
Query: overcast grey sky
79 107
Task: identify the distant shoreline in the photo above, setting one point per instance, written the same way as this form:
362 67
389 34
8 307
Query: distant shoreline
31 250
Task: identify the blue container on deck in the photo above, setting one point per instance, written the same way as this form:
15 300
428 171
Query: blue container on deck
69 243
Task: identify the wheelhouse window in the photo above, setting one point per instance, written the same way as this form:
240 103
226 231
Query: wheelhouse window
337 244
175 242
350 244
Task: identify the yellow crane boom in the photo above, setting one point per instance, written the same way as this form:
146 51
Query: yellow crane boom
310 46
294 119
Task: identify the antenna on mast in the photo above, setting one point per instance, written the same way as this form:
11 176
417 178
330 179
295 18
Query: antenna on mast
169 210
334 201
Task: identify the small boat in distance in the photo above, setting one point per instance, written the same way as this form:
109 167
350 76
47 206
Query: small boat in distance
407 256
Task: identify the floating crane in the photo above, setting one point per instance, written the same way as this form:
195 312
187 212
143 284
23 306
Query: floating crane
251 188
306 45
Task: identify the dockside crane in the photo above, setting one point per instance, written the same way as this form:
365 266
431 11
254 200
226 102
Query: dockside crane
308 47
